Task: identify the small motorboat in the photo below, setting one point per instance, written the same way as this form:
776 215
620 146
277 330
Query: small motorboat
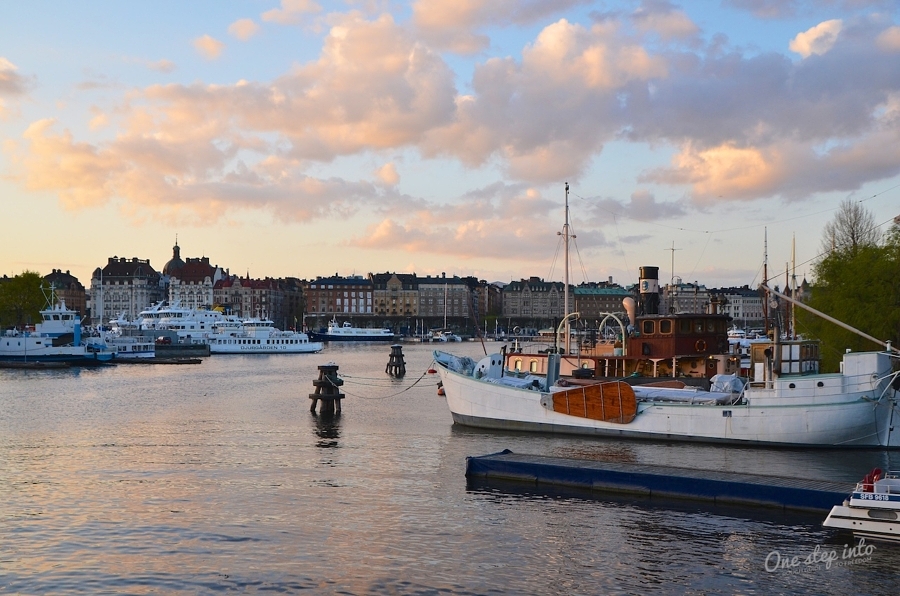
873 508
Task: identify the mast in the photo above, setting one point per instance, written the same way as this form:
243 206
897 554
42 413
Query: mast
765 302
565 235
794 286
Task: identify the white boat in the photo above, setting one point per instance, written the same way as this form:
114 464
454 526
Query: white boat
852 408
57 338
348 332
445 336
259 336
873 508
131 346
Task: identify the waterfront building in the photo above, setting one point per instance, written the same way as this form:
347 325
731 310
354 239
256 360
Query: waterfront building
68 289
593 301
249 298
191 282
444 300
124 287
395 295
534 302
679 297
744 305
344 298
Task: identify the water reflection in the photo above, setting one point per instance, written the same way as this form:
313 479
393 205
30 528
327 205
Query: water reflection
327 429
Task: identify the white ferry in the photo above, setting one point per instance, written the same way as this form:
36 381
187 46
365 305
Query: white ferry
348 332
259 336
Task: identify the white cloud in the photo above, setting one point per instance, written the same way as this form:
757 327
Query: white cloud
388 175
11 83
209 47
162 66
243 29
818 39
889 39
291 12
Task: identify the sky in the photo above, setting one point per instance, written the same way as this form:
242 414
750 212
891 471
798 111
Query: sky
299 138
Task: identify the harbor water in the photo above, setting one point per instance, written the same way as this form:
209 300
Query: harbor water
216 478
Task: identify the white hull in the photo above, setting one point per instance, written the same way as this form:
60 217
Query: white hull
871 511
779 415
236 345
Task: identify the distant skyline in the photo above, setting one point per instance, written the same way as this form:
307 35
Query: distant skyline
301 138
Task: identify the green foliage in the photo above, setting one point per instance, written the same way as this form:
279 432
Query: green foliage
21 299
861 288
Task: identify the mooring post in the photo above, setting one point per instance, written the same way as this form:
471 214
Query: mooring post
327 390
396 367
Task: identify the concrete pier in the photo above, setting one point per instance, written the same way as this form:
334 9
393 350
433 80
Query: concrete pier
649 481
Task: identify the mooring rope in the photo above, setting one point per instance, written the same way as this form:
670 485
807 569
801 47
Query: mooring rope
404 390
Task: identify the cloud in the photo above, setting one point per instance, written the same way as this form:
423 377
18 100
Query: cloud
209 47
11 83
243 29
455 24
642 206
665 21
162 66
889 39
818 39
766 9
467 227
546 116
388 175
291 12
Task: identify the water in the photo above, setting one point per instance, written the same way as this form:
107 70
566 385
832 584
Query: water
216 478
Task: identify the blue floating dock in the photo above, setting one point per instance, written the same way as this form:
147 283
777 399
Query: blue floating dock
649 481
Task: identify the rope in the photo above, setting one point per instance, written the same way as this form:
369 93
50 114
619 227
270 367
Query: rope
340 388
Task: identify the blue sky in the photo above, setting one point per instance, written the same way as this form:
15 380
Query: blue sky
298 138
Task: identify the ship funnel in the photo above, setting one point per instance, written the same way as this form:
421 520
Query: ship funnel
629 305
649 286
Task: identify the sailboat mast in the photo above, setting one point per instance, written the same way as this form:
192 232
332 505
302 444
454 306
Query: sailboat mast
765 298
566 280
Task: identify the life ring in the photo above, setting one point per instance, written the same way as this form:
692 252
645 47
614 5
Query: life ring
700 346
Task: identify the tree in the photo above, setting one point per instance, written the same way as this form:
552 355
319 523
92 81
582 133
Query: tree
21 299
857 283
852 228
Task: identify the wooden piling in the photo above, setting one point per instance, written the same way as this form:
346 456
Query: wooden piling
396 367
327 390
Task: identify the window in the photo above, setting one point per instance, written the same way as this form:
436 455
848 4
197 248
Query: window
648 327
665 326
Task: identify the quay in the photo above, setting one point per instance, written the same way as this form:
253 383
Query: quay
662 482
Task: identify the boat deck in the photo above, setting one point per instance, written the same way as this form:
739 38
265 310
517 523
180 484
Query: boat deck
650 481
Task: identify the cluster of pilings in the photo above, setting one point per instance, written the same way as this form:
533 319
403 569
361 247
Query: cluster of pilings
327 390
396 367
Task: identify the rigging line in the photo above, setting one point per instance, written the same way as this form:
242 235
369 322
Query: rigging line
555 258
578 253
702 252
741 228
845 245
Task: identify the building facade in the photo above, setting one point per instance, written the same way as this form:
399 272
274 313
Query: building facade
534 302
343 298
68 289
124 287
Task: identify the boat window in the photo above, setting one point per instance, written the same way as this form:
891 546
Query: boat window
518 364
684 326
698 326
711 326
533 366
665 326
648 327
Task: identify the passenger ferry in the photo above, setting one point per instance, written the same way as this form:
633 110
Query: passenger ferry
259 336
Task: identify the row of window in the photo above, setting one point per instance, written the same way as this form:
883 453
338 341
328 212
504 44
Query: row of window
685 326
